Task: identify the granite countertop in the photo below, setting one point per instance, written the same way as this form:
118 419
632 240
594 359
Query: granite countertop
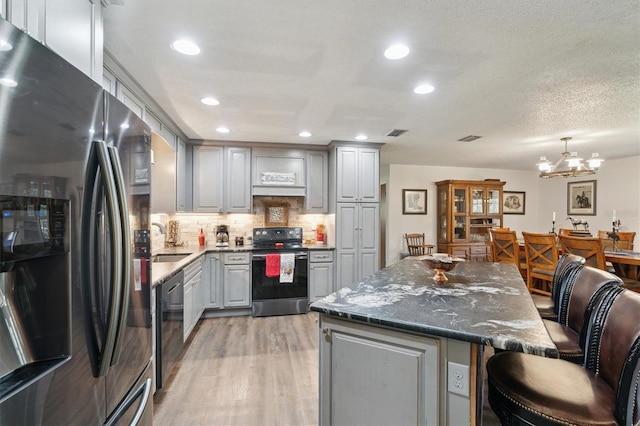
482 302
161 271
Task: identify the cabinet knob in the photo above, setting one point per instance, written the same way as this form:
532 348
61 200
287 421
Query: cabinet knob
325 330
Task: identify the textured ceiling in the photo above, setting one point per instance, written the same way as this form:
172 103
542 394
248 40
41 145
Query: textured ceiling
521 74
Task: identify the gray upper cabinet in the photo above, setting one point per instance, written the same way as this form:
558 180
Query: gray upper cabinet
181 176
208 163
237 196
130 99
71 28
317 197
221 179
163 176
358 174
278 172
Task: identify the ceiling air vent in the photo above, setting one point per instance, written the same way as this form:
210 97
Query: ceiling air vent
396 132
469 138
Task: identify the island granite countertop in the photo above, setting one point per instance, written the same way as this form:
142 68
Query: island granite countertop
482 302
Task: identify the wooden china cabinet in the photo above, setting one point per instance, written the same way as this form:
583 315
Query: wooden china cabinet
467 209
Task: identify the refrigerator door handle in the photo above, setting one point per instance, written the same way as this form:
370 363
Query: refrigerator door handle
143 393
124 280
99 160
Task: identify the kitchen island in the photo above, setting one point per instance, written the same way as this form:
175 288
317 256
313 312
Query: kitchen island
398 348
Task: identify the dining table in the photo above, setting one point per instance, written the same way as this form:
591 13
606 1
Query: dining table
625 262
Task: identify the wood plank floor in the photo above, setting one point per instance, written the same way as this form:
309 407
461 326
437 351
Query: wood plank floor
248 371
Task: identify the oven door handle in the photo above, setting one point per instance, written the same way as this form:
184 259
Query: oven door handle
298 255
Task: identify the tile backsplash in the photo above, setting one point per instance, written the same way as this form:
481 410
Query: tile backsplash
239 225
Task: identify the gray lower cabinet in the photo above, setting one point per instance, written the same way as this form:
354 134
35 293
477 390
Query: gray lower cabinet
213 266
236 280
193 297
376 376
321 274
357 241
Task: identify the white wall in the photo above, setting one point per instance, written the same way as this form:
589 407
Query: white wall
617 187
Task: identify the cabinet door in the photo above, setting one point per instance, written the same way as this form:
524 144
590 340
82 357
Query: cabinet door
347 226
404 391
237 286
238 180
320 280
494 201
214 285
163 176
368 230
369 175
317 198
128 98
207 178
478 198
198 299
188 310
181 177
109 82
347 174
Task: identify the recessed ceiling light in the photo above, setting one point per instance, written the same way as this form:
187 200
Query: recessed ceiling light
8 82
305 134
423 89
223 129
397 51
186 47
362 137
210 101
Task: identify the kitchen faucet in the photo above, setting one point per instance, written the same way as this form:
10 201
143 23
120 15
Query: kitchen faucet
163 230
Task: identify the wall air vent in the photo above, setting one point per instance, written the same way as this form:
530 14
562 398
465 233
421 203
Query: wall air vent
469 138
396 132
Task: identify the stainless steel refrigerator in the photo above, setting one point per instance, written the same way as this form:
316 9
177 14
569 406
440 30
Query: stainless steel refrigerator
75 318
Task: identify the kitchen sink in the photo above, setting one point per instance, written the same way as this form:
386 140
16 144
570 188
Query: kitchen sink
169 257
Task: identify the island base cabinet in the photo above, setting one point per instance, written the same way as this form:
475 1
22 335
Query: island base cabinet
374 375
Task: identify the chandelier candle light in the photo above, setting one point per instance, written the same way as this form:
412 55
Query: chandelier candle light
574 167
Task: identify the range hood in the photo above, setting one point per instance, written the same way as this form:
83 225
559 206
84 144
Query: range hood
278 173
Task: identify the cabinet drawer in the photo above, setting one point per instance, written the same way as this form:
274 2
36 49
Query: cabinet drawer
236 258
192 269
479 249
320 256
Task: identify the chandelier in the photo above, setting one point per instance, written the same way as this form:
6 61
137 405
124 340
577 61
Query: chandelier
574 166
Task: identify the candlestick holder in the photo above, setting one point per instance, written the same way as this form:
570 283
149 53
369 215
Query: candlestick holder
553 228
615 226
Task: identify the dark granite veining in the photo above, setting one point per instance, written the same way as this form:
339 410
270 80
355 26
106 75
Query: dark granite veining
482 302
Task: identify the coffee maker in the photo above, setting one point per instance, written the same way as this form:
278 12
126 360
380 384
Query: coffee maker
222 236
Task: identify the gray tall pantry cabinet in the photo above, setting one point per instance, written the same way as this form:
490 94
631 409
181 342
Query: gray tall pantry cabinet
354 194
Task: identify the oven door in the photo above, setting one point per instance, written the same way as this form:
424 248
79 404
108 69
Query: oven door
270 296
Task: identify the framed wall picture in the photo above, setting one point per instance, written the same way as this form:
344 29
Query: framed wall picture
513 202
581 198
276 215
414 201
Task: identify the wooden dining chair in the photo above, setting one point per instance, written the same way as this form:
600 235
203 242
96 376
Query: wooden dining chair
505 248
541 253
416 245
625 241
564 231
590 248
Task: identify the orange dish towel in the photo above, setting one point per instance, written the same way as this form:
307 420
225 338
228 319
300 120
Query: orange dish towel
273 265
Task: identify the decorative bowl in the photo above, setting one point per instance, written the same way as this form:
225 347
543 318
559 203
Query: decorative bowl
440 264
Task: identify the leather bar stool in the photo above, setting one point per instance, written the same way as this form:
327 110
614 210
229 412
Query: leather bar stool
533 390
548 306
581 293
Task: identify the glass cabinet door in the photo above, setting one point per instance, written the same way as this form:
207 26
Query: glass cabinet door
442 229
442 201
477 200
493 201
459 200
460 228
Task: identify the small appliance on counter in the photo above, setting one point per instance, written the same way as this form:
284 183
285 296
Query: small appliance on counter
222 236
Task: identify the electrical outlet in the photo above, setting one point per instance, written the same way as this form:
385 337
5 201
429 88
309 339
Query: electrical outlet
458 378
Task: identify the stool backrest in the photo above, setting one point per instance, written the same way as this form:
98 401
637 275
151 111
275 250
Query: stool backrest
567 268
581 296
505 246
613 350
589 248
